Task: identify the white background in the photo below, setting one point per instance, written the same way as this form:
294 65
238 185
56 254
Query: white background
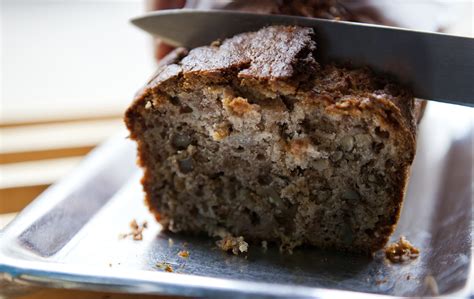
58 57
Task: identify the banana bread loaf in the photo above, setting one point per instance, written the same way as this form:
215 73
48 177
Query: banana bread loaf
253 137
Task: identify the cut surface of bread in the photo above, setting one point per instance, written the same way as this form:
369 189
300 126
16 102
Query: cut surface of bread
253 137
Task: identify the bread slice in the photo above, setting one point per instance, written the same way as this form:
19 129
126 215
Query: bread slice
253 137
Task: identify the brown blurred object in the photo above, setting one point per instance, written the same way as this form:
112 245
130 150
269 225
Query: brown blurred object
160 48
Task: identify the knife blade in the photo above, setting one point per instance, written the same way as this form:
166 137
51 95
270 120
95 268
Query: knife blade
435 66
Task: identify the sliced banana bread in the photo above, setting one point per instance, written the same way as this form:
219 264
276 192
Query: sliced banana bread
253 137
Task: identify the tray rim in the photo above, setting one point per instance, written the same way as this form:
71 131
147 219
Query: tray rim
97 278
47 274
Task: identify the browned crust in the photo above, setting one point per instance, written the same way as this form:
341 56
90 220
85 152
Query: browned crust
248 56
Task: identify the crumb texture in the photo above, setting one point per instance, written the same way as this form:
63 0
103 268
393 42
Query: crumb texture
236 245
252 136
401 251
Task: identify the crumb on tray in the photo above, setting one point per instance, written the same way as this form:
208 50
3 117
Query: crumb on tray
401 251
235 244
136 230
184 254
165 266
381 281
168 268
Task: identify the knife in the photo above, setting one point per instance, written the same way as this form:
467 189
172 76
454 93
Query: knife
435 66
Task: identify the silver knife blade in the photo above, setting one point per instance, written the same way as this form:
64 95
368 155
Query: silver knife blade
435 66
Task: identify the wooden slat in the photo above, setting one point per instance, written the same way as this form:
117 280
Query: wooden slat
44 172
43 141
53 136
52 112
20 183
15 199
75 117
44 154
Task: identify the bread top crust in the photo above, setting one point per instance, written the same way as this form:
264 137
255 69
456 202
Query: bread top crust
272 53
285 54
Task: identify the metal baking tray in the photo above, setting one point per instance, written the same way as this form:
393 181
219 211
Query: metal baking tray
69 236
